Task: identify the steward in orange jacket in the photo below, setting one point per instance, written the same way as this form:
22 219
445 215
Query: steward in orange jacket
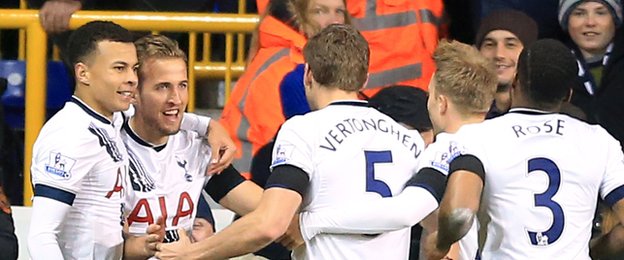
402 35
253 114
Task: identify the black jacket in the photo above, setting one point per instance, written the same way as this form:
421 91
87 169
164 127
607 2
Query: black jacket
606 107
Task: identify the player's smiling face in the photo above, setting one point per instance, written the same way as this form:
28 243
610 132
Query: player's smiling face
162 96
110 73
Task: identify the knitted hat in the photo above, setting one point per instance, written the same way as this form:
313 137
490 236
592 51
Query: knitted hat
404 104
516 22
567 6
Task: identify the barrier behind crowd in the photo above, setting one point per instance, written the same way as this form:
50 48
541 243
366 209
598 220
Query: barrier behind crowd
36 52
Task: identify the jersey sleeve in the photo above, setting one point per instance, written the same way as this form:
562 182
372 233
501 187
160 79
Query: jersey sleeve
47 219
372 216
196 123
292 147
60 165
439 155
612 186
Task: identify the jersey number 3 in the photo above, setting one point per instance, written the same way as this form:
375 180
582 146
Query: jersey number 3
372 184
545 200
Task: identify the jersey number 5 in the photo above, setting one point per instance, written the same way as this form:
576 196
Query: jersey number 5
545 200
372 184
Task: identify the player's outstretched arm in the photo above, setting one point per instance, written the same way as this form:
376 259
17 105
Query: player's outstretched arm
420 197
243 199
248 234
48 216
371 216
611 243
233 192
461 200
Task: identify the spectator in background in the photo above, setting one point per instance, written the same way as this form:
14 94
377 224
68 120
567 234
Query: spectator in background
253 113
402 36
204 223
544 13
501 37
414 28
407 106
597 40
54 15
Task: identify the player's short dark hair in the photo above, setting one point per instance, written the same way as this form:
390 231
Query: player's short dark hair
546 71
338 57
83 41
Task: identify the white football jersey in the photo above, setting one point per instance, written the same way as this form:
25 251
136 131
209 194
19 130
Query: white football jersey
79 159
351 153
164 181
543 175
438 156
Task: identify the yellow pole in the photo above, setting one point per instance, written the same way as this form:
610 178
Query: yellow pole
229 38
206 51
240 54
21 50
192 55
35 98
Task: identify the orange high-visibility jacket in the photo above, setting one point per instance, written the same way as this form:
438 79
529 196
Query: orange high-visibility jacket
261 5
402 35
253 114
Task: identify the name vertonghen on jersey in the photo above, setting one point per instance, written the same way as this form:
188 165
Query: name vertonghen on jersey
351 126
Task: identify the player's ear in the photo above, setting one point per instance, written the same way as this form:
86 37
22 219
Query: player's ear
307 76
569 97
81 72
442 103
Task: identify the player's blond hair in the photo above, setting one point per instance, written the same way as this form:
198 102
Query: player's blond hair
156 47
466 77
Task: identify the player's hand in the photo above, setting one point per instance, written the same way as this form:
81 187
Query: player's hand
150 242
432 252
223 148
157 229
54 15
292 238
142 247
175 250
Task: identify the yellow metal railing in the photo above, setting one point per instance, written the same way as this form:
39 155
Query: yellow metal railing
35 54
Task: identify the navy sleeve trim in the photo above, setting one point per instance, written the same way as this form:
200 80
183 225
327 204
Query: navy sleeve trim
614 196
220 185
431 180
57 194
289 177
467 162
